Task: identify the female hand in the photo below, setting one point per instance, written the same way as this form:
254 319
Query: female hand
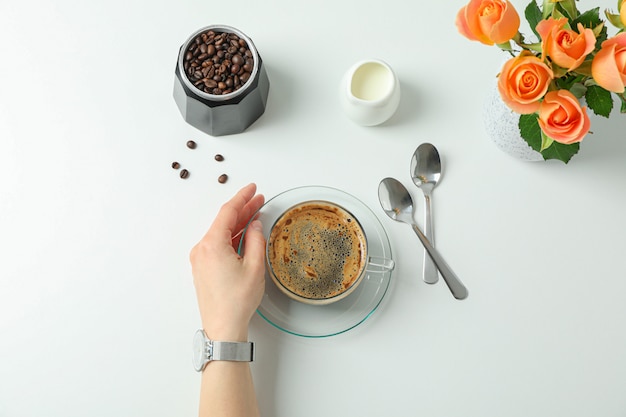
230 287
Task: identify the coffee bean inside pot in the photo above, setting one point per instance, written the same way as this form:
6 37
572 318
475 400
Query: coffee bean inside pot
218 62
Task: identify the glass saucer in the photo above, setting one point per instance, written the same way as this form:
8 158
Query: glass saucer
317 321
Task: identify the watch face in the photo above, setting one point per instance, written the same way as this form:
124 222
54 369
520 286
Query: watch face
199 352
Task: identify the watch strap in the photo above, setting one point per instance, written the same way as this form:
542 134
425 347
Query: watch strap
232 351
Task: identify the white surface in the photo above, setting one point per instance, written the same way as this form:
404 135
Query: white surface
97 307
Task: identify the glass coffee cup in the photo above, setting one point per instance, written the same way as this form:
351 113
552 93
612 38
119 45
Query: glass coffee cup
317 253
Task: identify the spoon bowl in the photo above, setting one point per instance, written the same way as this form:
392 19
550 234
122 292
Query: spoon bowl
426 166
426 172
398 205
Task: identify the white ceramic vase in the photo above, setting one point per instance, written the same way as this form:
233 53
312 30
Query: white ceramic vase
501 124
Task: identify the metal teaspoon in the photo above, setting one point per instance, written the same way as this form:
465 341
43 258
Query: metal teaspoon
398 205
426 172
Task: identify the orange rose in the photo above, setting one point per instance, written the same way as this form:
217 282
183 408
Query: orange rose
566 48
562 119
608 67
523 81
488 21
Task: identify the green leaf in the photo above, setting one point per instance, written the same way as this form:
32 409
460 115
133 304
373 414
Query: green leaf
558 14
597 31
534 16
532 134
578 89
569 8
569 82
599 100
548 6
530 130
561 152
623 98
614 19
546 141
589 19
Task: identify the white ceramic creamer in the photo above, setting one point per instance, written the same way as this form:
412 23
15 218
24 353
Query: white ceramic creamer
370 92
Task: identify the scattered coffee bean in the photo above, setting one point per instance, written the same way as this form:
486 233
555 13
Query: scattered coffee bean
226 59
191 144
222 178
184 174
219 158
175 165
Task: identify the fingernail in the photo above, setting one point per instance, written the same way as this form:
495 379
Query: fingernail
257 225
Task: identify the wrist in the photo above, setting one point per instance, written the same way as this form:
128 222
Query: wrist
226 333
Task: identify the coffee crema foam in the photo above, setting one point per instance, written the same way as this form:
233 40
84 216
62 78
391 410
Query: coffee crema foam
317 250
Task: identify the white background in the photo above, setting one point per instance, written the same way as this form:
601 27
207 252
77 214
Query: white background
97 307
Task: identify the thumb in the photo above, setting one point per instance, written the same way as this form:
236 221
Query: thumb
254 247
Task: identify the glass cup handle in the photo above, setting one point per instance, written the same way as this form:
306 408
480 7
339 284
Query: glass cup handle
378 264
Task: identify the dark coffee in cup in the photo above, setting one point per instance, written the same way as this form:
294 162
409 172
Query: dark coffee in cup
317 251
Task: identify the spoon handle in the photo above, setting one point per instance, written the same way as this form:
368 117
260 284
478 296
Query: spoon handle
457 288
430 270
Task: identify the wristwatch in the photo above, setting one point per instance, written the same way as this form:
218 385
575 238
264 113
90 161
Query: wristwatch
206 350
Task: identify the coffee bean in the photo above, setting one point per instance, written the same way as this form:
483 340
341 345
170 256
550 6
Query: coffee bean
222 58
238 59
175 165
222 178
191 144
219 158
184 174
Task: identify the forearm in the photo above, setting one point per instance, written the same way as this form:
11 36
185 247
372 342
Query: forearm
227 390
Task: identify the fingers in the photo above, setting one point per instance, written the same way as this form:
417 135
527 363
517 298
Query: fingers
254 248
227 218
249 209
